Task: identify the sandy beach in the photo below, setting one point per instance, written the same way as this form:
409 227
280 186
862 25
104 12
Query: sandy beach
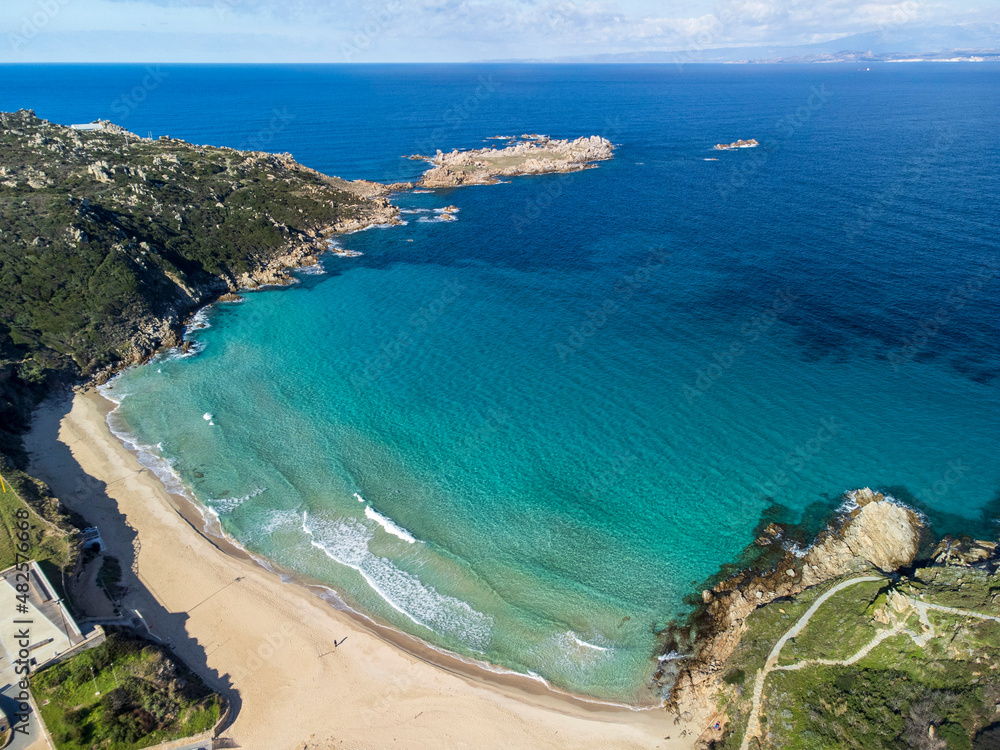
268 646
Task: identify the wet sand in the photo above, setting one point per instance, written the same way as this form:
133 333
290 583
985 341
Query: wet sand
269 646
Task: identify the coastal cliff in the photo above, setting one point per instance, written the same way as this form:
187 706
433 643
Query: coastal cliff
872 532
869 637
540 155
108 241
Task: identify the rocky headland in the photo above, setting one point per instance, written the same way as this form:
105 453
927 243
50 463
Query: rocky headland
109 241
749 143
873 532
536 155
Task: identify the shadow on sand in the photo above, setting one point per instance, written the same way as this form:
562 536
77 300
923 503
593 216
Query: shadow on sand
88 496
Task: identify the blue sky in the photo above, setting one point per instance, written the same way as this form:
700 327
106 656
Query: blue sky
436 30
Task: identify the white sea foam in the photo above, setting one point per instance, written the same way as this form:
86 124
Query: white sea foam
436 219
387 524
277 519
207 417
148 455
585 644
346 542
229 504
199 320
672 656
360 499
314 270
379 226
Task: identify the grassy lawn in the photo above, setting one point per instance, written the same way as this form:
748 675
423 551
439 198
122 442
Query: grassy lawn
957 587
45 543
124 694
765 626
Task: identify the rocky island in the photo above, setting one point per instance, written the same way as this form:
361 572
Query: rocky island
749 143
534 155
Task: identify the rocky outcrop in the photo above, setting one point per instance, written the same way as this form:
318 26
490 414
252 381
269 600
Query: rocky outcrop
749 143
872 531
540 155
965 552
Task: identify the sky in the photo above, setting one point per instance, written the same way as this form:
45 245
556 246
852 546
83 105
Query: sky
363 31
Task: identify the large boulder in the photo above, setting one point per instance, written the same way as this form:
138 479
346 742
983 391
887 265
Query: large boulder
874 531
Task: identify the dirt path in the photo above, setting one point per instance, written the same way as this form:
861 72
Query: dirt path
753 724
771 665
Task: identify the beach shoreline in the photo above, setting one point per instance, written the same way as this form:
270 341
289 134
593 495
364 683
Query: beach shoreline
269 644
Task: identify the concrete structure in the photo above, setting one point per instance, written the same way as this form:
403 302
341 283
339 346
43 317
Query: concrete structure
91 535
35 630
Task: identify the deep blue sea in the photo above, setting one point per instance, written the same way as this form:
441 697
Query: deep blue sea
566 409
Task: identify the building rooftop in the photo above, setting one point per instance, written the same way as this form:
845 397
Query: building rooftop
50 629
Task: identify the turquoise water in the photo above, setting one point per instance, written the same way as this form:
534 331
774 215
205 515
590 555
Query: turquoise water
567 408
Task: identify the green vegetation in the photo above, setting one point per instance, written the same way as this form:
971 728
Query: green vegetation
124 694
110 577
107 240
50 540
938 694
840 627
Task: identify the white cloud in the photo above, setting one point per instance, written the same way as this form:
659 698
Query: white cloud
462 29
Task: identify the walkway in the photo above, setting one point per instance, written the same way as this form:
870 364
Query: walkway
771 665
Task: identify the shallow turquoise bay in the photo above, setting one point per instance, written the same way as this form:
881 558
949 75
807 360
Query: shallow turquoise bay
566 409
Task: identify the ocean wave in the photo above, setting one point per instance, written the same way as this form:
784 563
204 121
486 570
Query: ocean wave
586 644
229 504
194 349
378 226
346 542
568 654
277 519
360 499
149 455
314 270
389 526
436 219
